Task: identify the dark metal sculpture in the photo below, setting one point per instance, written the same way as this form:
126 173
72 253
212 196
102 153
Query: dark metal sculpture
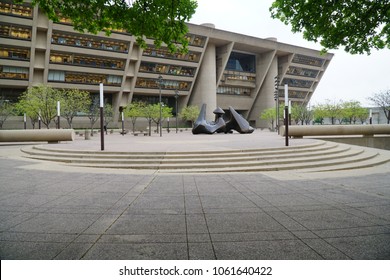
236 122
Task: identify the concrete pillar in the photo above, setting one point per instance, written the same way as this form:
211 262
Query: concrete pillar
205 90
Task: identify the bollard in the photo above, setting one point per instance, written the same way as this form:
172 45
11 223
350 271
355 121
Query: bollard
87 134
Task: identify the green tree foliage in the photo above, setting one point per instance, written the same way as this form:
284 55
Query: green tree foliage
74 101
134 110
190 113
353 111
93 112
358 26
40 101
319 113
108 114
163 20
269 115
6 109
382 100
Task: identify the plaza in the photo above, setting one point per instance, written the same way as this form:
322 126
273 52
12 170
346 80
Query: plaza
52 210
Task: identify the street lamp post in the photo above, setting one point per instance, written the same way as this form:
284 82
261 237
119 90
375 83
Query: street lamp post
58 114
177 112
101 117
286 111
276 97
160 80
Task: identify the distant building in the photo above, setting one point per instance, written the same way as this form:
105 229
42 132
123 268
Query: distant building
221 68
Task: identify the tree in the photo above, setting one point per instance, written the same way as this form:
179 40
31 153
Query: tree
382 100
40 101
74 101
333 110
358 25
166 112
190 113
93 112
319 113
108 115
352 110
134 110
162 20
149 111
6 110
269 115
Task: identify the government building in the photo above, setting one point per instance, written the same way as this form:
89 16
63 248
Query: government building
221 68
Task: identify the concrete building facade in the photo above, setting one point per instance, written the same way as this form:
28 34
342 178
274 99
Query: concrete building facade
221 68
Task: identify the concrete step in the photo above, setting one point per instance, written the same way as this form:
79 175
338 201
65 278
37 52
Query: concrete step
325 156
183 159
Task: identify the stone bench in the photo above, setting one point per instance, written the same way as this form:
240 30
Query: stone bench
137 133
37 135
299 131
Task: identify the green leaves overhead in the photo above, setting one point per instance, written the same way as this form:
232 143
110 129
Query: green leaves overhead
358 26
162 20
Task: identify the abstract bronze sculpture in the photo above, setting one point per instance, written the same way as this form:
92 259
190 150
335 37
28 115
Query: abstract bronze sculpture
236 122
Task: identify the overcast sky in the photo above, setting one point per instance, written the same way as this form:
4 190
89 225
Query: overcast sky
348 77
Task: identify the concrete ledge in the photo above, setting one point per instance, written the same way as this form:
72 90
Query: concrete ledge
37 135
324 130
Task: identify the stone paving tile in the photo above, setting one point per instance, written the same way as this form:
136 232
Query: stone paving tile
148 251
328 219
325 250
364 247
152 224
265 250
142 238
16 250
201 251
241 222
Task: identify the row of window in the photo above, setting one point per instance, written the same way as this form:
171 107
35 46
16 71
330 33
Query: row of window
302 72
14 53
166 84
308 60
196 40
7 7
14 31
11 72
167 69
293 94
83 78
89 61
89 42
165 53
297 83
234 90
239 76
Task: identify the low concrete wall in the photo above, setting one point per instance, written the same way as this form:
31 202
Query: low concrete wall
324 130
37 135
378 142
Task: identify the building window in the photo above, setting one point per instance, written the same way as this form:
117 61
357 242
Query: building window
14 53
298 71
297 83
88 61
167 84
296 94
23 10
56 76
234 90
308 60
242 62
89 42
149 67
13 31
165 53
11 72
196 40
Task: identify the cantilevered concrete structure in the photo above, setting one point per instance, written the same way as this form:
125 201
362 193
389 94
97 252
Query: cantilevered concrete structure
221 68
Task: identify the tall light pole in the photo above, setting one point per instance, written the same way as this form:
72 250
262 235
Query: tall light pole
286 111
101 117
276 97
58 114
177 112
160 80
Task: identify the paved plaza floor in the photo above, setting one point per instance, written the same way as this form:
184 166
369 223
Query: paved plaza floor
50 211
